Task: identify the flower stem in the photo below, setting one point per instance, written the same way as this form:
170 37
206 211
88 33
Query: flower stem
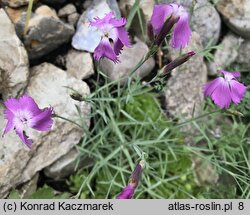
66 119
29 11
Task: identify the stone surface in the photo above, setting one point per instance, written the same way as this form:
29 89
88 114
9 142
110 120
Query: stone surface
129 58
236 14
79 64
29 187
66 165
146 7
206 22
46 32
205 19
243 58
67 10
48 86
14 65
226 54
73 18
87 38
184 88
15 3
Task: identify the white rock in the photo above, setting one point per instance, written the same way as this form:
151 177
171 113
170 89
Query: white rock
87 38
79 64
129 58
236 14
48 86
14 65
184 88
67 10
226 55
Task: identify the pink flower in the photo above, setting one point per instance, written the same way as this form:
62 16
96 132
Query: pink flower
225 90
24 112
128 191
114 37
182 32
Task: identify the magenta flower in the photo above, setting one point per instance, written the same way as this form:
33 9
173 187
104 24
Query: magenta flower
114 37
24 112
225 90
128 191
181 34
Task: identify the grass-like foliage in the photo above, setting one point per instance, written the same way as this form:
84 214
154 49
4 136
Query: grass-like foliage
129 125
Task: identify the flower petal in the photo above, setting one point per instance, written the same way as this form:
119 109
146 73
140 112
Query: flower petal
42 121
238 91
10 124
118 22
222 95
127 193
99 22
123 36
28 103
182 32
25 139
160 13
12 104
118 45
212 85
104 49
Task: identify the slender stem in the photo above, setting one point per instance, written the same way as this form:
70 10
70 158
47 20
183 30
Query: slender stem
69 120
195 118
29 11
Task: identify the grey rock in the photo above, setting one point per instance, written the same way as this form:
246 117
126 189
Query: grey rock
46 32
67 10
226 54
79 64
87 38
128 60
73 18
184 88
236 14
67 165
29 187
14 64
15 3
48 86
146 9
206 22
243 58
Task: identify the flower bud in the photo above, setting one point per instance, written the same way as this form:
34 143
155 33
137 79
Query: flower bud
128 191
165 30
177 62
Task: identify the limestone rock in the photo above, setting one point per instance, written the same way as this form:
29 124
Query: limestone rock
184 88
66 165
236 14
14 65
226 55
48 86
129 58
79 64
146 7
87 38
243 56
46 32
206 22
15 3
73 18
67 10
